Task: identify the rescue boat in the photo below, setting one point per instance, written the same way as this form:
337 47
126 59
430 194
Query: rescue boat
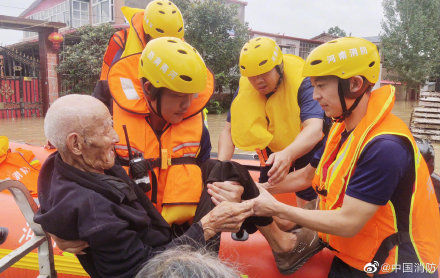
253 255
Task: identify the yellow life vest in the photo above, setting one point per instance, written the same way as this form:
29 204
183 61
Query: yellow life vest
416 218
136 36
258 122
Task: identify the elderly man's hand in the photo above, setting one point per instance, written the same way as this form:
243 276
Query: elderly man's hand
226 217
265 204
225 191
281 162
71 246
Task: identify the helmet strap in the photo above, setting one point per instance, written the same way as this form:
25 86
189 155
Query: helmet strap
149 95
147 37
344 90
158 105
280 72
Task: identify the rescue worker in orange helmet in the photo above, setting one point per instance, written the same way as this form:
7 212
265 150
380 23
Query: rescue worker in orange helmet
377 205
160 18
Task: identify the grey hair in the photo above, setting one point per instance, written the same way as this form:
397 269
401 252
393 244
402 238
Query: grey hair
187 262
67 115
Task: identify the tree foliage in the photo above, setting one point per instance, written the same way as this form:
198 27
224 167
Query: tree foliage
213 28
80 63
411 40
336 31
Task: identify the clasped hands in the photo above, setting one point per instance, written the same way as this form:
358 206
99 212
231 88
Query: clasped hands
230 191
227 216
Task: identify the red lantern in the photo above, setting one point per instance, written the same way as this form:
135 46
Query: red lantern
56 39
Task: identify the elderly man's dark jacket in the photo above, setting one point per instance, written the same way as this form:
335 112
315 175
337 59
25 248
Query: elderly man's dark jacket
109 212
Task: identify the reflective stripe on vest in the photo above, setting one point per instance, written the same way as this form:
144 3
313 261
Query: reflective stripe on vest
362 248
193 144
122 150
258 122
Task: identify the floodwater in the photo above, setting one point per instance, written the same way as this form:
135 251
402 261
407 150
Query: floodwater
31 130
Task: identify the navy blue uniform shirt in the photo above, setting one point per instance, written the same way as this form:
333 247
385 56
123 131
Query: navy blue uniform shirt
309 108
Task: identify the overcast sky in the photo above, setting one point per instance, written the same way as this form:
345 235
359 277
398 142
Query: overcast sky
297 18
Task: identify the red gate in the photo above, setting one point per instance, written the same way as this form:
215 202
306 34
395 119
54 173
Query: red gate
20 97
19 85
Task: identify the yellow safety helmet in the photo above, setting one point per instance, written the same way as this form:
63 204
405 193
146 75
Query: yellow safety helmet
258 56
163 18
344 58
174 64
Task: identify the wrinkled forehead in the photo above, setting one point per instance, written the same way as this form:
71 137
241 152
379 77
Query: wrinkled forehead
96 122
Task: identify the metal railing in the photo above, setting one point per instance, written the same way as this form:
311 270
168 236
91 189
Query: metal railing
28 208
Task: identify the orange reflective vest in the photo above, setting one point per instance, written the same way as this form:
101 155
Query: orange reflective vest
20 165
420 225
119 39
172 153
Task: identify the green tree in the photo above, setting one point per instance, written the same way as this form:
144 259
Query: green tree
80 63
213 28
410 41
336 31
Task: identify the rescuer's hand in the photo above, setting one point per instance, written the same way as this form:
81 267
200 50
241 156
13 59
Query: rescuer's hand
265 204
71 246
271 188
281 162
225 191
226 217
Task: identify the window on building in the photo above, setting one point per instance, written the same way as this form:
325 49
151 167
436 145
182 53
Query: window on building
288 49
305 48
57 13
80 13
102 11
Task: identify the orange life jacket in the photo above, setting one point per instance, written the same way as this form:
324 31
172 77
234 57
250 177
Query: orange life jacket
20 165
115 44
118 41
172 154
333 175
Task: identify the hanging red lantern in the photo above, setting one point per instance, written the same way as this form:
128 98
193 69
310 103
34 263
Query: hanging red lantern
56 39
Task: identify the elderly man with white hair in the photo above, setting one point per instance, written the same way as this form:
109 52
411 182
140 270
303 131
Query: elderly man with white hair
85 197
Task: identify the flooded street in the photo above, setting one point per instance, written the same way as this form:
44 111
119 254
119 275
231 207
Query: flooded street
31 130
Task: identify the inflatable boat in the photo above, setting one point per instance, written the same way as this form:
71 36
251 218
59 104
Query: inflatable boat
27 251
